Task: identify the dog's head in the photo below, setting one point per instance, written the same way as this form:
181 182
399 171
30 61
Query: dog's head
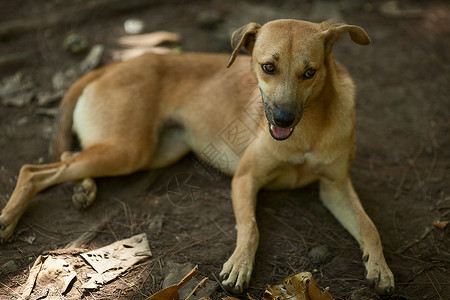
289 62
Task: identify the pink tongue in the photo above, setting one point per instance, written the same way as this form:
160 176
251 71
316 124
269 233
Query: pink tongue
280 133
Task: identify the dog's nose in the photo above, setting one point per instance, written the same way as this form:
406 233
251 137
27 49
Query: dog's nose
283 119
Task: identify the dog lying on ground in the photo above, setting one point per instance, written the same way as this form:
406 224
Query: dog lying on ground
148 112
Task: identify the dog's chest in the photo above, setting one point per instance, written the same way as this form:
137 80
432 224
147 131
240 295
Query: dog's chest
299 160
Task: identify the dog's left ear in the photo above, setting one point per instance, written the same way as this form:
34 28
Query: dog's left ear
243 37
334 29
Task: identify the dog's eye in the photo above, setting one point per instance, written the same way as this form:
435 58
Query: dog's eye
269 68
310 73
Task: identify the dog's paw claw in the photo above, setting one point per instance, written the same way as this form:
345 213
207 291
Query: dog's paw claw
379 277
80 200
236 273
224 276
6 230
237 289
373 282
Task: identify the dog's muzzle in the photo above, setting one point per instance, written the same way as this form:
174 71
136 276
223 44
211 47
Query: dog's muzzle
284 123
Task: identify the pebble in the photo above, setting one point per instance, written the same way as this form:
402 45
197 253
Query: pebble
28 239
75 43
9 267
320 255
133 26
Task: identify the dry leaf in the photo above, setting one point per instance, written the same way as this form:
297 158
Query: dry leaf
299 286
440 224
49 275
114 259
171 293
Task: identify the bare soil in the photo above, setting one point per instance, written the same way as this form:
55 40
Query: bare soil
401 172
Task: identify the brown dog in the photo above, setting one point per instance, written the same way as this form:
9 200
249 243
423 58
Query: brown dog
150 111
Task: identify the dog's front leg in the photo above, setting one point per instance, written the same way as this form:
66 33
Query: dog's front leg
236 272
343 202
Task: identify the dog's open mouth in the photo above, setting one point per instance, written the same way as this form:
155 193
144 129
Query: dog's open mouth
279 133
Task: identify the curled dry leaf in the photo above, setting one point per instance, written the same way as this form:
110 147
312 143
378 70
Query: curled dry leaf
171 293
299 286
440 224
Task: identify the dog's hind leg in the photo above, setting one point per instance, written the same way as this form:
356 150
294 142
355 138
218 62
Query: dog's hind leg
96 161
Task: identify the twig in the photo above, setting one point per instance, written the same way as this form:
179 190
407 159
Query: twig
126 213
410 244
428 276
112 232
201 241
288 226
419 180
220 284
201 284
185 236
87 236
10 289
40 232
220 228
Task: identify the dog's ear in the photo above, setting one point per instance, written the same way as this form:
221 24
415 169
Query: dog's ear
334 29
243 37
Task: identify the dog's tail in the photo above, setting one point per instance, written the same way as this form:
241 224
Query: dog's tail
62 134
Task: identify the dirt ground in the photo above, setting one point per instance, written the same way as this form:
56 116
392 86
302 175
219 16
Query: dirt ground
401 172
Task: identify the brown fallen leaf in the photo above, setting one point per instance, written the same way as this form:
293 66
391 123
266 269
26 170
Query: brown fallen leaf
250 297
439 224
299 286
171 293
114 259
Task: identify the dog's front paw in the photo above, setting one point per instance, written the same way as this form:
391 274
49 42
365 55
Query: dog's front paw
379 276
6 228
236 273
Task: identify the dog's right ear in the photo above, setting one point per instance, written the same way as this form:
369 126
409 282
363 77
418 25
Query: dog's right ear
333 30
243 37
